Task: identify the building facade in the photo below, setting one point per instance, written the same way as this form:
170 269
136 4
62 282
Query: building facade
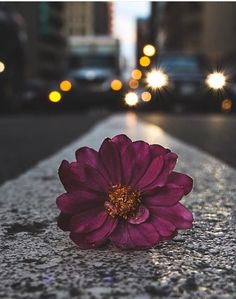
143 37
88 18
199 27
46 43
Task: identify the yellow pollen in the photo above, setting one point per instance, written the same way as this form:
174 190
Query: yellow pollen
123 201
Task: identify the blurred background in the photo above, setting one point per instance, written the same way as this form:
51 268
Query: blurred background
159 56
65 66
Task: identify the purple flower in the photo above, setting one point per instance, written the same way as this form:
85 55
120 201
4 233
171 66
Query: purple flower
126 193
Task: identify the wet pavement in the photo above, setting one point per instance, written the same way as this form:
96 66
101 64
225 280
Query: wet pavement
39 261
213 133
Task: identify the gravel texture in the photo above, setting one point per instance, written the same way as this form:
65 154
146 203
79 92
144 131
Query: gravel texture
39 261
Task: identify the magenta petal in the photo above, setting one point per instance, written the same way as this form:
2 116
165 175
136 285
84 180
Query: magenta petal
63 221
141 161
121 141
129 236
164 196
170 237
72 203
182 180
169 164
88 156
88 220
93 179
80 240
135 161
180 216
165 228
97 237
140 217
152 172
110 156
69 176
158 150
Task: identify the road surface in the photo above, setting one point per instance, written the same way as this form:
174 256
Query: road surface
27 139
39 261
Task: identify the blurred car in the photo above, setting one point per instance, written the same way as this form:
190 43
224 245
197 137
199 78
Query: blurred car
180 80
94 71
34 94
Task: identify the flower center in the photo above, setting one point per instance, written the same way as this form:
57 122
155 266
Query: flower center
123 201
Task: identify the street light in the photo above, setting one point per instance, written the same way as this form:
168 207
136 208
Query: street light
149 50
156 79
216 80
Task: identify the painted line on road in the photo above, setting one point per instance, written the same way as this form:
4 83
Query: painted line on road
38 251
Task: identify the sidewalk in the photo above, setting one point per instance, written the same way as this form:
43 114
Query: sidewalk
39 261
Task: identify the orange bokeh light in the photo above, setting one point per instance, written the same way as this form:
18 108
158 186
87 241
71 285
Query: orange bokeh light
136 74
65 85
146 96
226 105
116 85
133 84
144 61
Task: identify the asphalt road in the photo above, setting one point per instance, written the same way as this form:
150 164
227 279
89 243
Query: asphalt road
38 260
27 139
213 133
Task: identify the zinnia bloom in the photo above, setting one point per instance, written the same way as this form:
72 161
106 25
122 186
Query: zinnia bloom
126 193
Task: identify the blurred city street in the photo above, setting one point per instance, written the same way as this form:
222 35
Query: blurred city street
74 73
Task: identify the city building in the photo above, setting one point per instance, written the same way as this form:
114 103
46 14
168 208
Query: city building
177 26
143 36
88 18
218 30
202 27
45 40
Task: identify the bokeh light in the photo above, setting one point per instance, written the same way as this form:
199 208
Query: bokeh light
116 85
226 105
216 80
54 96
2 67
156 79
133 84
65 85
136 74
146 96
131 99
149 50
144 61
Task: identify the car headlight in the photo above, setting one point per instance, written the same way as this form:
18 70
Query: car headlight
156 79
216 80
2 67
131 98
